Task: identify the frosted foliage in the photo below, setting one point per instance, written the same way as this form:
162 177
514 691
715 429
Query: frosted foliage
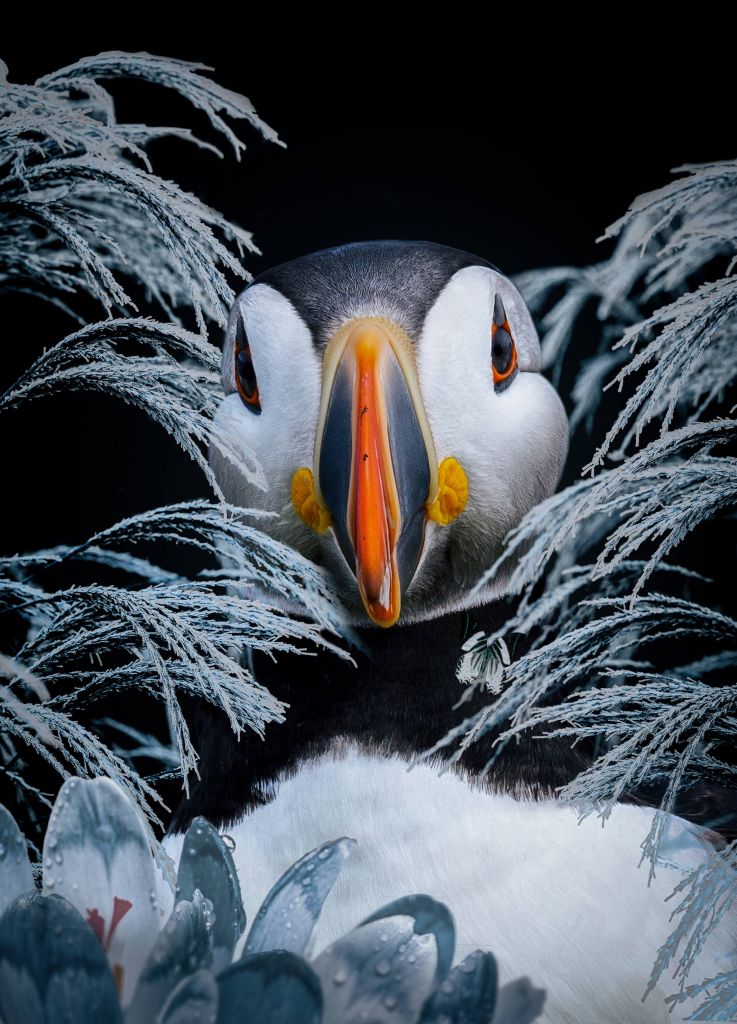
174 377
82 207
85 216
618 655
167 636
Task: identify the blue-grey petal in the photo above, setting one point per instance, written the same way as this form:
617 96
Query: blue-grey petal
380 972
16 876
289 913
182 948
193 1001
270 988
429 916
96 852
206 864
52 968
467 995
518 1002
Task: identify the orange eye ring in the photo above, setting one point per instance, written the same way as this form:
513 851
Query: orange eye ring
244 372
503 347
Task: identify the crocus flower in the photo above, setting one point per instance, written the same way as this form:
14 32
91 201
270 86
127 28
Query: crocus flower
97 856
138 961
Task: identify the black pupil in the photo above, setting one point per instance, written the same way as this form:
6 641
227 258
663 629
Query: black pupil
501 350
246 373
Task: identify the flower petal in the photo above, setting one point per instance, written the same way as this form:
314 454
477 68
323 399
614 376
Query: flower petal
206 864
467 995
16 876
271 988
183 947
52 968
429 917
381 971
519 1002
194 1000
96 851
290 911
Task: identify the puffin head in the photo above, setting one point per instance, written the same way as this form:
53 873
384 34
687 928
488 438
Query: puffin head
392 393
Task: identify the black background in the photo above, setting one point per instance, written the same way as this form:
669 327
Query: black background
522 152
479 143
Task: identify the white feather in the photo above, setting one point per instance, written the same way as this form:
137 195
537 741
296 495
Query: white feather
562 902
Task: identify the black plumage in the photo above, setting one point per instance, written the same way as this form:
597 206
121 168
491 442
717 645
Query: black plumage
402 279
398 698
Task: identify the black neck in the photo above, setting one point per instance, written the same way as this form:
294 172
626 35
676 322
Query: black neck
398 699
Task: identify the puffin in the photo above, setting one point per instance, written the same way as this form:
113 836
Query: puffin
392 392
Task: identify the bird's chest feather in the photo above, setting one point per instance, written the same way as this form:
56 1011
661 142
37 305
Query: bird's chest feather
559 901
562 902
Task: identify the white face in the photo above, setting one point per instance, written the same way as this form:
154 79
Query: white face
510 435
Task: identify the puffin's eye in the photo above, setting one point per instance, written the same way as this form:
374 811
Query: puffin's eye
503 348
245 375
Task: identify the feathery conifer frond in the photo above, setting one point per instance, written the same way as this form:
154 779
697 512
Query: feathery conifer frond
83 212
176 382
607 663
173 635
82 181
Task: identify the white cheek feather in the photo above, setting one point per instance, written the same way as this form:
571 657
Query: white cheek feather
282 437
561 902
511 443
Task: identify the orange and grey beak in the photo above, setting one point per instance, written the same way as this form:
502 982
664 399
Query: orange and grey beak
375 465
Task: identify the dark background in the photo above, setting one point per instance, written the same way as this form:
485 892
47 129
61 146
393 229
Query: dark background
386 138
522 160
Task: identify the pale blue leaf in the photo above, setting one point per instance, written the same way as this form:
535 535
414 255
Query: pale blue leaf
519 1002
193 1001
269 988
16 876
182 948
430 917
52 968
467 995
381 971
96 854
207 865
290 911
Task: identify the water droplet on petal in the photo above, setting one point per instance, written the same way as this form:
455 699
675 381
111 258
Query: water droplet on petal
447 987
383 967
229 842
340 977
390 1001
468 966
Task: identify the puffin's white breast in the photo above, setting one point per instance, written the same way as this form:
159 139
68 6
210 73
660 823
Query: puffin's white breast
561 902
